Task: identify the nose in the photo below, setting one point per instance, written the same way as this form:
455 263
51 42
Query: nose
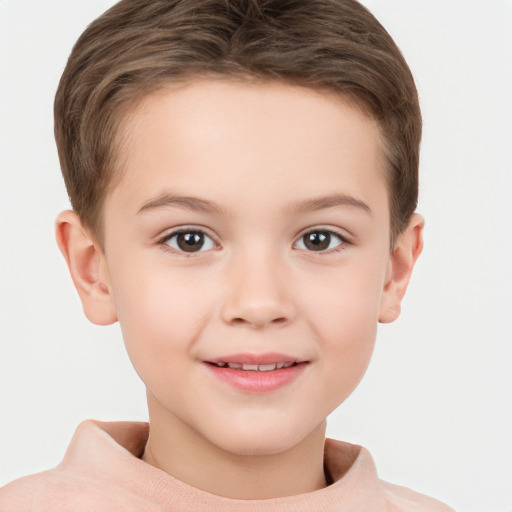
257 295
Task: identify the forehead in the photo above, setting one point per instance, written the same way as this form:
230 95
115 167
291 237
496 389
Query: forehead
236 140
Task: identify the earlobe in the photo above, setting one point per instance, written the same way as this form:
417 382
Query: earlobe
86 263
401 263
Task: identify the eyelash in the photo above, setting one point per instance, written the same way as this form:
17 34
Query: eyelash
343 241
163 242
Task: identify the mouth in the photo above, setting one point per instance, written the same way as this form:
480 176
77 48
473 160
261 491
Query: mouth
255 367
257 373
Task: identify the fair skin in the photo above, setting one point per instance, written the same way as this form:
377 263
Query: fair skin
282 255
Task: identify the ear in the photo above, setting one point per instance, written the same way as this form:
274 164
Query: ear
401 262
87 266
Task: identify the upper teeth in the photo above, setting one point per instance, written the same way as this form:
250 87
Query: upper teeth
256 367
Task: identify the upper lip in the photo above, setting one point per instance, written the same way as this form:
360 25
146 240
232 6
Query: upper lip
259 359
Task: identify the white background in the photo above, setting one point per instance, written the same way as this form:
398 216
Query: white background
435 406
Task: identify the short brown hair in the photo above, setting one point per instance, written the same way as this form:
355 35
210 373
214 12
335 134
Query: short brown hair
140 46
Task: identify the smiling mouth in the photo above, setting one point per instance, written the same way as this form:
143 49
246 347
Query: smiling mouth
257 373
255 367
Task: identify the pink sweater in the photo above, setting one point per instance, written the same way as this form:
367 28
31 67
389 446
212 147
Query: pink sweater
102 472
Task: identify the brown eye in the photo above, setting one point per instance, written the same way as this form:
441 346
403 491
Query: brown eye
190 241
319 241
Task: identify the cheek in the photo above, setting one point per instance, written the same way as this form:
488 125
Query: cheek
347 334
160 313
344 316
344 303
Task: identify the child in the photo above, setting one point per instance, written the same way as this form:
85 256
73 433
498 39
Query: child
243 175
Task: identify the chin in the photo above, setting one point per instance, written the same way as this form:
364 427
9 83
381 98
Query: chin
257 447
260 440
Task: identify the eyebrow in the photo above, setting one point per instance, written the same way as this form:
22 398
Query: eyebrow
330 201
189 203
203 205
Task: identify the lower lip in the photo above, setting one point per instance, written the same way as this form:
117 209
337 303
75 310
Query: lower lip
257 382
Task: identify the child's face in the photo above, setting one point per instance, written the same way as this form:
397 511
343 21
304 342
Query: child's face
251 220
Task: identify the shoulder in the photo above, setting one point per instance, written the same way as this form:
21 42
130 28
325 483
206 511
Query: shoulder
19 495
354 473
62 491
92 476
40 492
402 499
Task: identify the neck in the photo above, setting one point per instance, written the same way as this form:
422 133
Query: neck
186 455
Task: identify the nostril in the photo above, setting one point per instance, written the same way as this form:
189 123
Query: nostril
258 324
